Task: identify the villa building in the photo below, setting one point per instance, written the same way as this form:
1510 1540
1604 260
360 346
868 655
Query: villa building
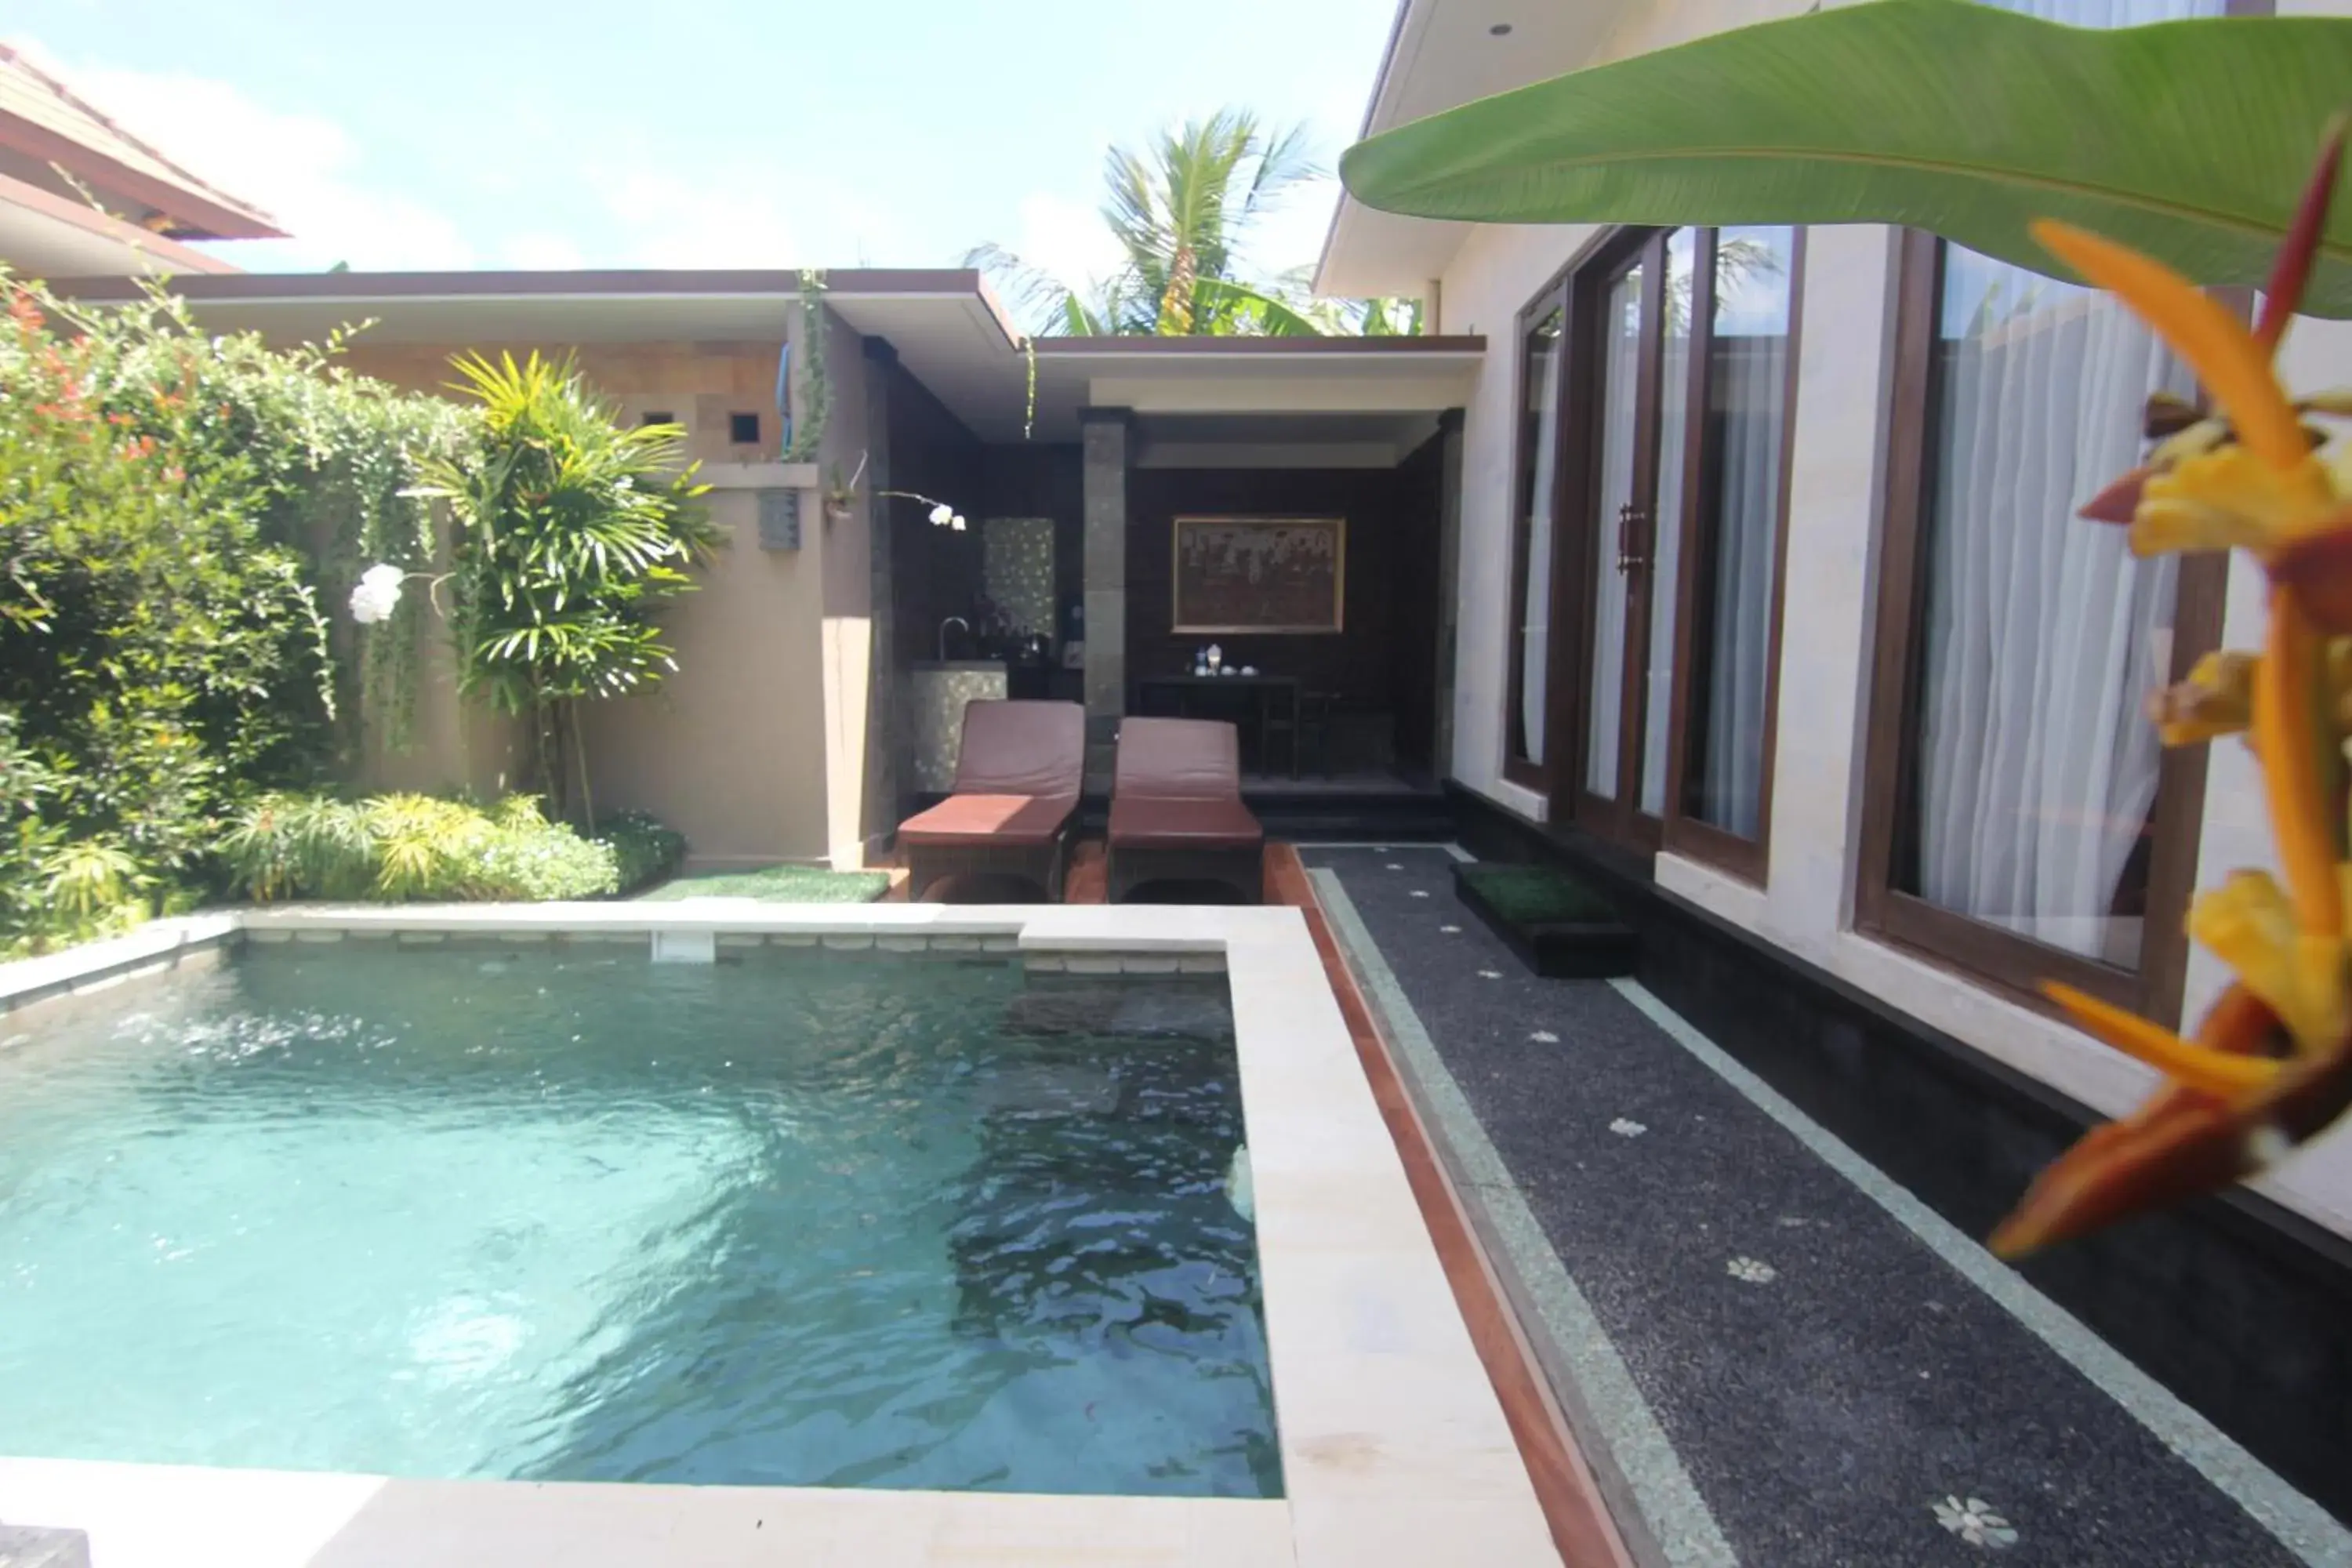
1736 569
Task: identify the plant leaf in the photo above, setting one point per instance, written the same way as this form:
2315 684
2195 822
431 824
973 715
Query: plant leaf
2188 140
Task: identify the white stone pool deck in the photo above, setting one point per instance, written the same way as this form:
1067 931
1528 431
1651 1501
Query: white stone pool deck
1395 1447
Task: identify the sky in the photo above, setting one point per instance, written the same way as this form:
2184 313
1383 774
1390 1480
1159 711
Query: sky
531 133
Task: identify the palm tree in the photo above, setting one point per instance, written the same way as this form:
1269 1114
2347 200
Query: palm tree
1182 210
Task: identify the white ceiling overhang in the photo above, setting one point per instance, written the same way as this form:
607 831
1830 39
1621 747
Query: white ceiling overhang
1442 54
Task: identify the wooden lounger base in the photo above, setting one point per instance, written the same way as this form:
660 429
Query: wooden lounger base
1243 870
1042 864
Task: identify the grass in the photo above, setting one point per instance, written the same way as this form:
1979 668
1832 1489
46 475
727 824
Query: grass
1531 895
777 885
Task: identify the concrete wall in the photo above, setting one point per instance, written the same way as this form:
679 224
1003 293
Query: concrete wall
854 694
1807 907
739 748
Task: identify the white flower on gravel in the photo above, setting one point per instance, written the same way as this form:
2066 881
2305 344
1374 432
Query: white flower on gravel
1420 892
1544 1037
1975 1522
1490 974
1626 1127
1451 931
1749 1269
377 594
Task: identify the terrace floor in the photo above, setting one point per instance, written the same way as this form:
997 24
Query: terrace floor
1768 1352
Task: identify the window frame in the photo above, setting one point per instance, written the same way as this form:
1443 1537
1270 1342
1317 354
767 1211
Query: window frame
1536 772
1691 836
2006 960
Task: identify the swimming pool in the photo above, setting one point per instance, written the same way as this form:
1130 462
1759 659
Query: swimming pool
522 1209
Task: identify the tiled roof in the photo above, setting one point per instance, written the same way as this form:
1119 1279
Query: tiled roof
41 116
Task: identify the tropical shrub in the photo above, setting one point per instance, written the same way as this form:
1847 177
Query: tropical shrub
571 530
171 505
401 847
645 851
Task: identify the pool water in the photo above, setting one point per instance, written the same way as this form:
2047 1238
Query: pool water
801 1220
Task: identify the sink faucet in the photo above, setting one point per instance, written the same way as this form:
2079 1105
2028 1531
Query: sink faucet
950 621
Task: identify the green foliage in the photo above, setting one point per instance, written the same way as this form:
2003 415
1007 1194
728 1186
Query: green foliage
171 507
2188 140
571 530
55 890
1182 212
643 850
409 848
817 386
778 885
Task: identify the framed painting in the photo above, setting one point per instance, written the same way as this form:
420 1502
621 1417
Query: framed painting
1260 574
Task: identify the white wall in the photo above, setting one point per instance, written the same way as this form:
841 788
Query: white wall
1826 648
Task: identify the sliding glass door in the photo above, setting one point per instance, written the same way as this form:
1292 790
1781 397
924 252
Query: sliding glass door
1678 445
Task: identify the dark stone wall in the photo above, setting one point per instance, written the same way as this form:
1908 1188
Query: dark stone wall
2238 1306
935 572
1384 659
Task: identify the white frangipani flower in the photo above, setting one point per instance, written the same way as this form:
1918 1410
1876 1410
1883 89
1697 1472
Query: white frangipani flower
1976 1522
958 523
942 515
377 594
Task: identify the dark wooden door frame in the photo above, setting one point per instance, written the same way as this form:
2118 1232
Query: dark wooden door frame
1701 526
1537 773
1620 816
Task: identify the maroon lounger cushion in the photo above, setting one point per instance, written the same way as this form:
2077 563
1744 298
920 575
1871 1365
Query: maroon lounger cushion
1178 785
1017 777
1151 824
963 820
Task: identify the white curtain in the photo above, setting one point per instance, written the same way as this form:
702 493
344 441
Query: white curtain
1535 609
1667 527
1749 380
1621 373
2036 768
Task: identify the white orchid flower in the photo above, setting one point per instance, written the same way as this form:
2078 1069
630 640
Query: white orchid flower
377 594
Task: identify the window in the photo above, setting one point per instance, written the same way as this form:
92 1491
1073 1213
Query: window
743 429
1543 358
656 416
1732 447
2021 820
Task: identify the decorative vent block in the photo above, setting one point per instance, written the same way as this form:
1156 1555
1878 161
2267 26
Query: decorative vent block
780 518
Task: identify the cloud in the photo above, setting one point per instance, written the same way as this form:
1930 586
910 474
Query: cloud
302 169
540 253
1067 238
662 220
1290 234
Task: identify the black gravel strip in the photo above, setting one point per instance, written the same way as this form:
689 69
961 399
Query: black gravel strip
1822 1409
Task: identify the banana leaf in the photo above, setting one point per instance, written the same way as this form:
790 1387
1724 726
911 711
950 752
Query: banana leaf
2190 141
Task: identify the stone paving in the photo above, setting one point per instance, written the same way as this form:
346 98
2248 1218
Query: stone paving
1783 1368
